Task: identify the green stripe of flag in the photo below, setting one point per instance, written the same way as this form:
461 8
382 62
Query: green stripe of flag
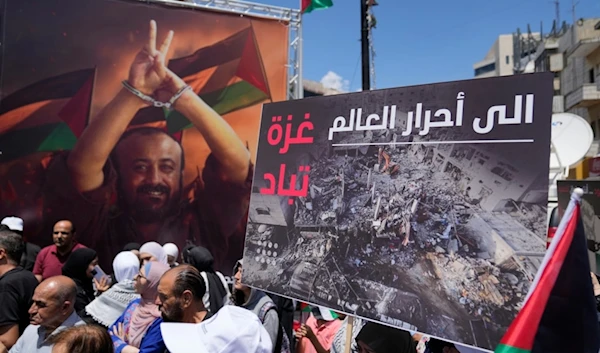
42 138
310 5
237 96
502 348
61 138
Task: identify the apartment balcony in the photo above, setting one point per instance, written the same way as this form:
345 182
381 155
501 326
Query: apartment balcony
558 104
585 47
583 97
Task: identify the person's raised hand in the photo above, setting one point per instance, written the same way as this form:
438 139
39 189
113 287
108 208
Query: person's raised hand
103 285
148 70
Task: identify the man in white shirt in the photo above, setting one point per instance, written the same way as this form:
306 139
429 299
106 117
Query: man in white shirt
231 330
51 312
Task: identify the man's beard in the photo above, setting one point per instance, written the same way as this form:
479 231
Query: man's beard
143 212
175 315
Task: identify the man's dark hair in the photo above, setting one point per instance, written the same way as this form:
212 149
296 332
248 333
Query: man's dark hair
144 131
13 244
189 278
73 231
437 346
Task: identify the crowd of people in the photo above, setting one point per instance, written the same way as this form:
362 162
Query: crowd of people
62 301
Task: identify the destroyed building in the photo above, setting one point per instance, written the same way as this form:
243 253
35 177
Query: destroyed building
440 238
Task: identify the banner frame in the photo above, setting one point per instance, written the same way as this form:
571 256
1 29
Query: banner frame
269 12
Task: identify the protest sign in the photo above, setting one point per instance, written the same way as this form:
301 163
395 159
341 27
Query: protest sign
421 207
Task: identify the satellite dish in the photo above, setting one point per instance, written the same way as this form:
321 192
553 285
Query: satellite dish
571 139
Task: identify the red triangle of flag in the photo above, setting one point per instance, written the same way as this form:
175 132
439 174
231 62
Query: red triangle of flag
250 68
75 113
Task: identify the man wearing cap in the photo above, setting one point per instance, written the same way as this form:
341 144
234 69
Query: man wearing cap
30 251
318 332
230 330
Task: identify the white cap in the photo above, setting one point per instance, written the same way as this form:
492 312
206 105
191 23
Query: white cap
231 330
171 249
14 223
326 313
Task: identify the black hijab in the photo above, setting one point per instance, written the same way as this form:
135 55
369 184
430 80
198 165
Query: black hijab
131 246
76 268
384 339
203 261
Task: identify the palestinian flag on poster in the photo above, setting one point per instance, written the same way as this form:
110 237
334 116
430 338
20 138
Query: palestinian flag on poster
310 5
559 314
228 76
46 116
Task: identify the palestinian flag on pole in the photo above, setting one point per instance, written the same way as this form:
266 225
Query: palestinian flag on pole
559 314
228 76
46 116
308 6
327 314
305 308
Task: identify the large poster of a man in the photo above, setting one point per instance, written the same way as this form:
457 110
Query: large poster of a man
146 132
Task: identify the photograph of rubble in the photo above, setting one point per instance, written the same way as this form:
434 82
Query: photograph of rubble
438 232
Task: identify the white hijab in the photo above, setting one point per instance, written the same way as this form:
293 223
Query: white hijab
125 266
107 308
156 250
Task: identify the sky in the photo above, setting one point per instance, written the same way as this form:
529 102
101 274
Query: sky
418 42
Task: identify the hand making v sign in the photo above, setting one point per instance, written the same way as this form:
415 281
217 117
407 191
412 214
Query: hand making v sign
148 70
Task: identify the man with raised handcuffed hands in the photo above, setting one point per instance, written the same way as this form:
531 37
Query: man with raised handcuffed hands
142 170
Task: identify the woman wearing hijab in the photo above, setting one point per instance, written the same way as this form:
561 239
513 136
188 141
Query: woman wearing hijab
217 291
185 254
376 338
138 328
80 268
172 252
153 251
133 247
107 308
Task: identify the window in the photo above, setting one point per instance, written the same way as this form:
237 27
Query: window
592 76
507 59
485 69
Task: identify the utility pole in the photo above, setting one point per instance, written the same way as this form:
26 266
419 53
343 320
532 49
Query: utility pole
364 41
574 26
557 9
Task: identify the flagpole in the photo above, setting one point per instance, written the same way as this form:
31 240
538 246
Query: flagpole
299 55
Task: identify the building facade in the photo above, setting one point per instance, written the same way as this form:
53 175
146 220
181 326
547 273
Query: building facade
500 59
580 76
